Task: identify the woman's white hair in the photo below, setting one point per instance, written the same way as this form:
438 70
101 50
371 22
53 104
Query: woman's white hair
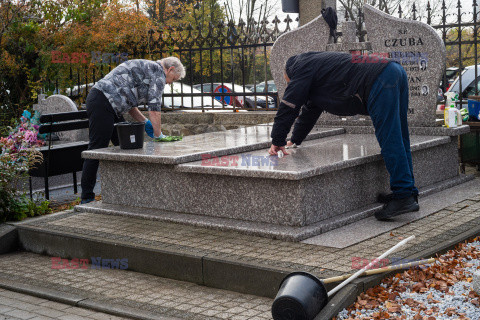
169 62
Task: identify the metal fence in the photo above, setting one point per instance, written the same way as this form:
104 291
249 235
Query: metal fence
227 65
229 57
232 56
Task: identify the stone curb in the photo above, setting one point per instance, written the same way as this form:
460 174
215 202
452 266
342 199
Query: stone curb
204 269
8 238
79 301
349 294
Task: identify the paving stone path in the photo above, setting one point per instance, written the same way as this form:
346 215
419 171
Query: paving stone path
184 300
166 297
14 305
323 261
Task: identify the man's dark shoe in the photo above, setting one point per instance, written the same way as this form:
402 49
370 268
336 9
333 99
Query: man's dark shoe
85 201
387 197
397 207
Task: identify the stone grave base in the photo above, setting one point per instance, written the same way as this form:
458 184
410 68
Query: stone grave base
331 180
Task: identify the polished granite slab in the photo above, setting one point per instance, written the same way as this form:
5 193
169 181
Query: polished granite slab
191 148
420 131
312 158
298 190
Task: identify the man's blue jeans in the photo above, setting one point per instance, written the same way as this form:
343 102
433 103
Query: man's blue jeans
388 105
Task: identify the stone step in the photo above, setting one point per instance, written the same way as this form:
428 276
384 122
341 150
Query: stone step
238 262
120 292
288 233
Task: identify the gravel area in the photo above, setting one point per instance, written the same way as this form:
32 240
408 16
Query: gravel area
442 290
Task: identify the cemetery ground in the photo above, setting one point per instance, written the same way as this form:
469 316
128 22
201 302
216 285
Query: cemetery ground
178 271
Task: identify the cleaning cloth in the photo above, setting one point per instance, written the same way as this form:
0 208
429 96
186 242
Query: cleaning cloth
168 139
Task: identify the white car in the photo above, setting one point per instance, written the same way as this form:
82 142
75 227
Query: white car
186 101
168 102
468 83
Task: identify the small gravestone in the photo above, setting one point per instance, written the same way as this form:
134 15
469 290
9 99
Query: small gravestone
421 52
57 104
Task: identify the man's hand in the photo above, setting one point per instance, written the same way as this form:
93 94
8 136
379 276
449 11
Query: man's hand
289 144
273 151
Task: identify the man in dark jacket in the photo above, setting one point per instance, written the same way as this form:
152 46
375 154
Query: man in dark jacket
334 82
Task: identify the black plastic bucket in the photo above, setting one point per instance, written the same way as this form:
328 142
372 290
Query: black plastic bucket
301 297
130 134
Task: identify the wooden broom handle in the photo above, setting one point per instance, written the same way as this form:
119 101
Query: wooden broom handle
382 270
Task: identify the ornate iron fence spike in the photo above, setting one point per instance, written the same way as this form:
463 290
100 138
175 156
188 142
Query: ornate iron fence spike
287 20
429 13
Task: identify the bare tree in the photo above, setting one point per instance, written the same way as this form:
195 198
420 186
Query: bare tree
399 8
249 11
251 18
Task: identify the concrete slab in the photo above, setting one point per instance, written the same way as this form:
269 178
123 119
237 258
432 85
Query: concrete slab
369 227
8 238
228 260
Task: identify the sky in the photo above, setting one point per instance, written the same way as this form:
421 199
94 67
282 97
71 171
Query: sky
451 5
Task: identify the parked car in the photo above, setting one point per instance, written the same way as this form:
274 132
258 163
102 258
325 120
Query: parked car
468 83
247 101
186 102
77 91
168 102
451 74
269 88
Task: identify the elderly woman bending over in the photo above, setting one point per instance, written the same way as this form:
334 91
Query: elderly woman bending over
130 84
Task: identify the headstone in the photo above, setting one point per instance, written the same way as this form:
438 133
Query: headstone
349 29
56 104
309 10
414 44
312 36
421 52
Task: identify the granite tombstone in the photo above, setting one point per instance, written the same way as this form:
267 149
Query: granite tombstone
56 104
413 44
421 52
